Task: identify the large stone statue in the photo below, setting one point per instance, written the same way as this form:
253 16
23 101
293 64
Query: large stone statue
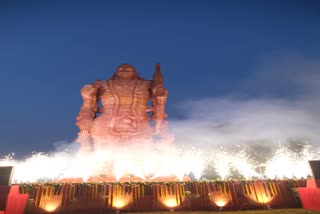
122 110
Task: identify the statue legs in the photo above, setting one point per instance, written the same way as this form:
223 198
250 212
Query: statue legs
85 141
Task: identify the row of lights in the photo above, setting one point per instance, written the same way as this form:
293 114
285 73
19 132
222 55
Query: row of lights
170 201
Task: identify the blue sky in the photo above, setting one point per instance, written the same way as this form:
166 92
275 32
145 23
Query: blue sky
207 49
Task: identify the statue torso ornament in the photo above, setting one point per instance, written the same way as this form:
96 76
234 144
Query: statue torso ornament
125 124
124 108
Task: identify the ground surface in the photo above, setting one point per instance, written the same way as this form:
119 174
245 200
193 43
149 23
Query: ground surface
271 211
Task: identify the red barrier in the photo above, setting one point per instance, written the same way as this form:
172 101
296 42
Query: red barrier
311 183
16 203
310 198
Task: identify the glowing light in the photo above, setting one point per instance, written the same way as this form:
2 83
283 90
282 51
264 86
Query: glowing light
260 195
261 198
221 203
118 203
52 203
50 207
169 201
121 201
217 198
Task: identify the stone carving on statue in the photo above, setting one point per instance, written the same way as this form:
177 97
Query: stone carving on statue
116 111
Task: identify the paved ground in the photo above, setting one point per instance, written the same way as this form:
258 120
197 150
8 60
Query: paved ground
271 211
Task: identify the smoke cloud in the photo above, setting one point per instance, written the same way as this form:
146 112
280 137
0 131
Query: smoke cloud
279 103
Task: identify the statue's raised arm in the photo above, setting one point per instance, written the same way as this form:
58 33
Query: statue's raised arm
87 114
88 109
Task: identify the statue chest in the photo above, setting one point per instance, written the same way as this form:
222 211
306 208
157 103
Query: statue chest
114 93
124 106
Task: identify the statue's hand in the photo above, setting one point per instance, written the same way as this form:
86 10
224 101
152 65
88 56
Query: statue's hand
149 109
160 91
88 91
160 125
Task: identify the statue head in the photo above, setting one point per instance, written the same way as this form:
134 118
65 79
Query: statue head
126 72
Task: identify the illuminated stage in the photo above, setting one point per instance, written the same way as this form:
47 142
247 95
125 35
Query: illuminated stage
161 196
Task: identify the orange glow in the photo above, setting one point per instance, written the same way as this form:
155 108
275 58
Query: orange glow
219 199
50 207
121 201
169 201
51 204
260 198
221 202
259 194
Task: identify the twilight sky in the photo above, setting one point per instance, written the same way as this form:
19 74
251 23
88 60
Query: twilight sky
207 50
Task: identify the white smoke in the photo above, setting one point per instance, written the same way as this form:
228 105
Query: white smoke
281 103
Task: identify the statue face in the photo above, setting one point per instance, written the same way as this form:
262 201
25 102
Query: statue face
126 71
